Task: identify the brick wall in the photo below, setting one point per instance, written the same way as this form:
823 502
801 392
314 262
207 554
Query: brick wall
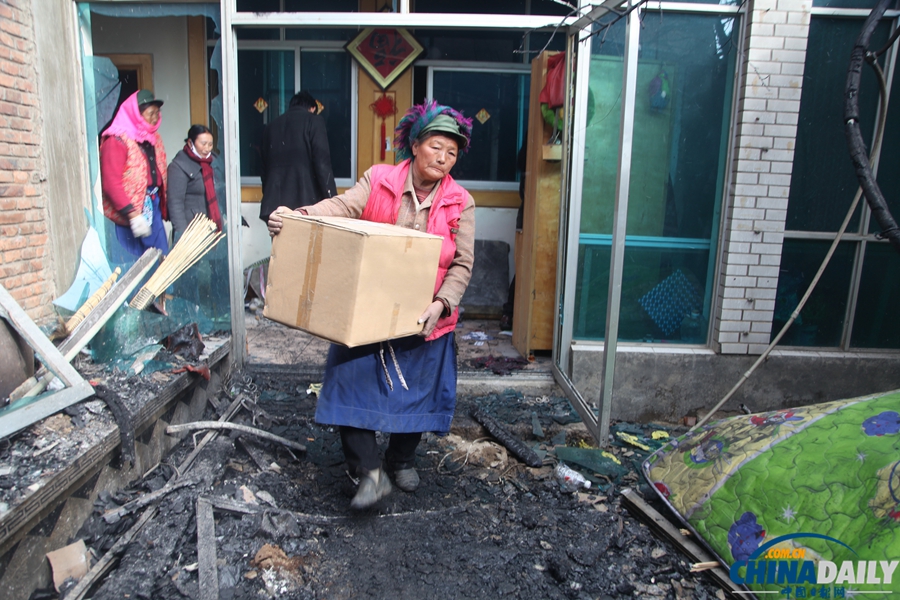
766 131
24 259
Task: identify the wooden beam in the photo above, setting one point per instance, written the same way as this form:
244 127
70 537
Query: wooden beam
206 550
197 70
692 550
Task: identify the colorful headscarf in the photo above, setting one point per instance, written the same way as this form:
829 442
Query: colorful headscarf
418 117
129 123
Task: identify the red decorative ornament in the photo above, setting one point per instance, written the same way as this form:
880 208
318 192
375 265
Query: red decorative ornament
384 107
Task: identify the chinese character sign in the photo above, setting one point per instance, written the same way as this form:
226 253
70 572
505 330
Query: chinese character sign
384 53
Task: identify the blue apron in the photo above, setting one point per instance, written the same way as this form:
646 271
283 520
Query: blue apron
157 238
356 391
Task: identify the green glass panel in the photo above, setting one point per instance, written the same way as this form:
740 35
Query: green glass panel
266 75
876 324
822 319
662 293
823 181
682 109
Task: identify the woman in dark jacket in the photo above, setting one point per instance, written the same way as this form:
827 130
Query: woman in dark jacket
192 190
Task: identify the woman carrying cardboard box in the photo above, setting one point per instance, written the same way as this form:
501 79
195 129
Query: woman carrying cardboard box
359 394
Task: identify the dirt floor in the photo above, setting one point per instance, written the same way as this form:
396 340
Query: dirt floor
482 524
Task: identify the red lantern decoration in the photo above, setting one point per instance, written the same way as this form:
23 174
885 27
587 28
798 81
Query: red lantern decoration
384 107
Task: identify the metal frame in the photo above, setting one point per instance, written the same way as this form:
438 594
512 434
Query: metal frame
77 389
620 220
570 211
231 133
570 220
401 19
231 18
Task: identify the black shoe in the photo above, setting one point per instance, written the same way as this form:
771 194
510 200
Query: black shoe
406 479
506 323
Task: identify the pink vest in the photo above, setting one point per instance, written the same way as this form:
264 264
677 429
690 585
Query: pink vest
383 206
135 178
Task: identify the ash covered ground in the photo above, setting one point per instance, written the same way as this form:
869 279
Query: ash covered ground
481 525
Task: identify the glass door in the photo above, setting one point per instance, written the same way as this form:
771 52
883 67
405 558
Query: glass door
646 175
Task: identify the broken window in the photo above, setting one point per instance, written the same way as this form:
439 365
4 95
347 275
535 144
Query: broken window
172 50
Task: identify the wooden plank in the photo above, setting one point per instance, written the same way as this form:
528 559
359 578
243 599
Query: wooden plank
536 262
206 550
691 549
37 340
197 70
255 453
107 560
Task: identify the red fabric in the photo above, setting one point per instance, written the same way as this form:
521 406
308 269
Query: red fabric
203 370
383 206
113 154
212 203
125 176
554 92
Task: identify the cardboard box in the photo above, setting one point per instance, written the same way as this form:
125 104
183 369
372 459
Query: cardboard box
349 281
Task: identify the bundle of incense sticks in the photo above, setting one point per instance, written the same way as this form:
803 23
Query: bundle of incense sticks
198 239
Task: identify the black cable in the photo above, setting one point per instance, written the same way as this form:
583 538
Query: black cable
857 146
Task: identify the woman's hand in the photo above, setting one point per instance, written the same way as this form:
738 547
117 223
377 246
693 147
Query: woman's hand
430 317
274 224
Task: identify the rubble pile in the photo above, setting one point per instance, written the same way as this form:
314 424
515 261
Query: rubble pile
482 523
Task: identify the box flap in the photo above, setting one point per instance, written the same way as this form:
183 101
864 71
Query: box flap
362 227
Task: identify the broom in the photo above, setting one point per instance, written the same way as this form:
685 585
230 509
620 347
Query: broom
198 239
69 326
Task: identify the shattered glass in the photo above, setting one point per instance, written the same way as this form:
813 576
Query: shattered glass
201 295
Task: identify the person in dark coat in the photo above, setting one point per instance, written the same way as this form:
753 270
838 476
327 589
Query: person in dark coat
296 161
192 189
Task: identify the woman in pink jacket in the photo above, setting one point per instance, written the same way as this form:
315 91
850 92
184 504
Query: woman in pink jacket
407 386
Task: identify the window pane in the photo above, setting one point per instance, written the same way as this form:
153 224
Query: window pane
326 75
682 112
266 75
319 6
888 173
876 324
500 7
823 180
257 33
495 142
846 3
258 5
822 319
306 33
495 46
661 295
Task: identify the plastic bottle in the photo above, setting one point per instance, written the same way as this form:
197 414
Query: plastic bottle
569 479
